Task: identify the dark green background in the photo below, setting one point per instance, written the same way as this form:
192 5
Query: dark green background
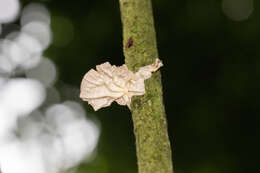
210 80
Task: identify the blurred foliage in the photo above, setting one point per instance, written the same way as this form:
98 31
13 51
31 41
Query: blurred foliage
211 81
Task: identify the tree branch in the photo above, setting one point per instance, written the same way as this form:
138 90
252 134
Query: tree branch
149 119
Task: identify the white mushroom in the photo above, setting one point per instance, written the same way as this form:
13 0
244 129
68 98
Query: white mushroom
111 83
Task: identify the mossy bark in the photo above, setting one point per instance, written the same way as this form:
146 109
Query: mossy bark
149 119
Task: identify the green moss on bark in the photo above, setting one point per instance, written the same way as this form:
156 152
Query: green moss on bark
149 119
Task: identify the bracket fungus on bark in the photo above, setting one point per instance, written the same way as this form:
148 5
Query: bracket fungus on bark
111 83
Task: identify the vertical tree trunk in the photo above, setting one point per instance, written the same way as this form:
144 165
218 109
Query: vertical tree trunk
149 119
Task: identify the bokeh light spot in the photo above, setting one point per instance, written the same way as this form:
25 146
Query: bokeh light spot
44 72
39 31
9 9
63 31
5 65
238 10
79 136
29 92
35 12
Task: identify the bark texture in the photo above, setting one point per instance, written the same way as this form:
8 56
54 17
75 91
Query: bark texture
148 113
